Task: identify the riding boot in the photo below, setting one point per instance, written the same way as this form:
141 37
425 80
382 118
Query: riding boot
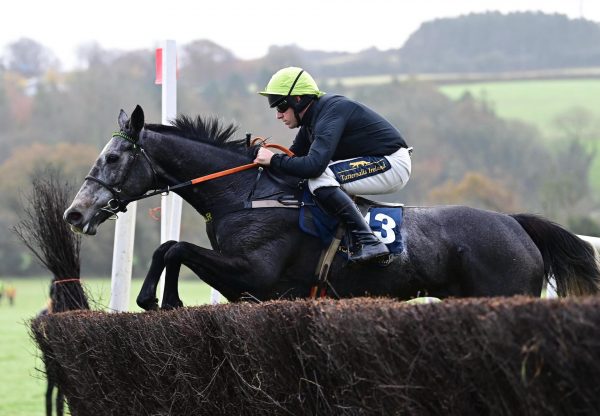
337 203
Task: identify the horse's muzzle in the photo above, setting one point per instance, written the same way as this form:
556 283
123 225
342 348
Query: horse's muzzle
73 218
78 224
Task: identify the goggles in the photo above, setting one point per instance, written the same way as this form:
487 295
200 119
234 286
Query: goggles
282 105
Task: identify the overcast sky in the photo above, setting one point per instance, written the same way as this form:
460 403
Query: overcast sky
246 27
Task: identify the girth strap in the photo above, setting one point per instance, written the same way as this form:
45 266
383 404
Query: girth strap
218 211
276 203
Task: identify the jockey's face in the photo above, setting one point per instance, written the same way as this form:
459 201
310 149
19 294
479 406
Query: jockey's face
288 118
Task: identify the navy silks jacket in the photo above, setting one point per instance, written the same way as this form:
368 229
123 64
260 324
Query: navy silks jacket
336 128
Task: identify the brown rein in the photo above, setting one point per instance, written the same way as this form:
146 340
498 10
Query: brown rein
243 167
119 204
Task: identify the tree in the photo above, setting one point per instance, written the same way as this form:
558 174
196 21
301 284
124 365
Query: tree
577 123
29 58
204 61
92 55
584 225
476 190
566 192
5 117
493 41
567 189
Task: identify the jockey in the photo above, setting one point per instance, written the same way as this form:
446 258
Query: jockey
342 147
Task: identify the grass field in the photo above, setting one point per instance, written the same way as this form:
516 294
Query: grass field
22 386
539 102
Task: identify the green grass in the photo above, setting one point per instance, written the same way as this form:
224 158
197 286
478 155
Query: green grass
22 386
537 102
595 169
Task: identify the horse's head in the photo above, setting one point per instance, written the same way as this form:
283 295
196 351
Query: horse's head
121 171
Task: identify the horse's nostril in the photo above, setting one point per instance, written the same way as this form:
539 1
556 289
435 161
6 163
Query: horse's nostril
73 217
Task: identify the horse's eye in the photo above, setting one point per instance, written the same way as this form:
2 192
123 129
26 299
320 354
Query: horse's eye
112 158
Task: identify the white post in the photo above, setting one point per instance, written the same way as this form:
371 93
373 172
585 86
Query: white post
170 204
122 262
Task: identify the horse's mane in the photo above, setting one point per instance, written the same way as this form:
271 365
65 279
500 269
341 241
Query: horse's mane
207 130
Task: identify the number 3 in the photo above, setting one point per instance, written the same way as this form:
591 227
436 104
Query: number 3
387 225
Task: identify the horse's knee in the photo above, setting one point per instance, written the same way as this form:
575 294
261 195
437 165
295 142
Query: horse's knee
164 247
176 252
160 252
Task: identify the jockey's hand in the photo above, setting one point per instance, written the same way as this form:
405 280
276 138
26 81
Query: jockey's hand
263 157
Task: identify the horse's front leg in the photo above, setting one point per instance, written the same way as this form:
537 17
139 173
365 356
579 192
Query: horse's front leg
60 402
49 390
232 276
146 299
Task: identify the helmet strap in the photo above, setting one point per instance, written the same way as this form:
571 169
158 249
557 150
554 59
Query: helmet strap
301 105
298 118
294 83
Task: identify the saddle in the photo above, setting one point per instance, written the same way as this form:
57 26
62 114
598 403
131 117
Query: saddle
384 218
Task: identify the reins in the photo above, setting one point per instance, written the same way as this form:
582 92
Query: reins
221 173
120 203
237 169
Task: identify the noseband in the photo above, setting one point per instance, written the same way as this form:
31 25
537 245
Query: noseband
119 201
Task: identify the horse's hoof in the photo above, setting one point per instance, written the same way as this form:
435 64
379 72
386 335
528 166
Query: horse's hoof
166 306
150 304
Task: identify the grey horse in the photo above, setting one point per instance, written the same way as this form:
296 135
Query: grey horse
447 251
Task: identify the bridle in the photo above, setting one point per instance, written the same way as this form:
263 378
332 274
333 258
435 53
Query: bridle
119 201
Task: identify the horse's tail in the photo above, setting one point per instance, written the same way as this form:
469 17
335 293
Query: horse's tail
571 260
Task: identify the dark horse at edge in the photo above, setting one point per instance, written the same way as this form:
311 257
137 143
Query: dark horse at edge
448 251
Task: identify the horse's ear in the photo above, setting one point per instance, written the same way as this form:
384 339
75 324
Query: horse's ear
137 119
123 118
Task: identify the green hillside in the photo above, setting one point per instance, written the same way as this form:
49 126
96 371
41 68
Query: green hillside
537 102
540 102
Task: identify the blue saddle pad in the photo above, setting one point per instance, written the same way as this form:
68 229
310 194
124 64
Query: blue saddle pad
316 222
384 220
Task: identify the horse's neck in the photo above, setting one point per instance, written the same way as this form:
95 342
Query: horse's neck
181 160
